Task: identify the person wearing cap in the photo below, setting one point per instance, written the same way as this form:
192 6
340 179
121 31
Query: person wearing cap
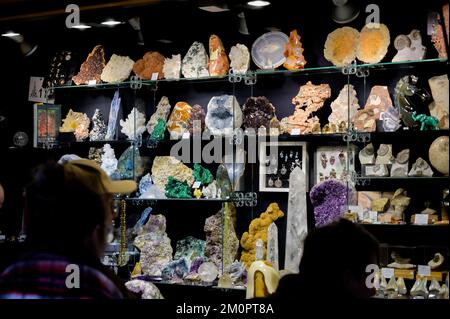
68 215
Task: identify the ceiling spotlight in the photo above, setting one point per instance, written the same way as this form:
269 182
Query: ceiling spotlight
258 3
81 26
165 41
10 34
344 11
111 23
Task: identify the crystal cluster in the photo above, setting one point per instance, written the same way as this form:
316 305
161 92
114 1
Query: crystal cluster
162 112
98 132
218 63
177 189
196 122
344 107
145 289
179 119
172 67
294 53
224 115
152 62
109 161
258 111
71 122
134 125
117 69
82 130
92 68
240 58
195 62
189 249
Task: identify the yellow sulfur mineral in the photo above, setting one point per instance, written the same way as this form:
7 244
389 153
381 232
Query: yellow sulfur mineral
71 122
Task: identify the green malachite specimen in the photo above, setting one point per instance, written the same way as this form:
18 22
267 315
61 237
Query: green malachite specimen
177 189
158 130
426 122
202 174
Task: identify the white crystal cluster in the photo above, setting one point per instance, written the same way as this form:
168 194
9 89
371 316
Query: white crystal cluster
240 58
109 160
134 125
172 67
340 107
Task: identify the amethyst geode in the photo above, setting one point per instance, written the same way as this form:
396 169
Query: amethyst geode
258 111
329 199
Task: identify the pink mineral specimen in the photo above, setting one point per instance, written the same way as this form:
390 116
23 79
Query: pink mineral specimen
218 63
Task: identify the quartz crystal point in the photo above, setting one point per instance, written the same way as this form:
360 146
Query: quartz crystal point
391 288
401 286
224 182
419 290
272 246
208 272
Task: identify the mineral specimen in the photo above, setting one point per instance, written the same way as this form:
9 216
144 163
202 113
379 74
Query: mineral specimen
195 62
340 46
172 67
223 182
211 191
92 68
409 47
293 52
178 120
367 155
309 99
235 168
224 115
95 154
262 280
162 112
439 108
82 130
400 167
198 193
98 132
134 125
377 102
437 38
158 131
190 248
202 175
71 122
272 246
373 43
177 189
420 168
425 122
218 63
145 289
378 170
130 164
152 62
145 183
384 155
380 205
196 123
400 202
177 269
109 161
328 199
258 230
208 272
112 121
117 69
439 154
344 107
152 192
240 59
165 166
390 119
258 111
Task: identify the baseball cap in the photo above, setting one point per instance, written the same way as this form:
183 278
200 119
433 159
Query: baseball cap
91 175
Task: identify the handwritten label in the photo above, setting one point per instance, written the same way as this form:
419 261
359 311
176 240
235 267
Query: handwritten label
421 219
196 184
295 131
373 215
387 272
92 82
423 270
155 76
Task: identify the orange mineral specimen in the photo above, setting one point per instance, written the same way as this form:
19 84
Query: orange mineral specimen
218 63
179 120
152 62
92 68
294 53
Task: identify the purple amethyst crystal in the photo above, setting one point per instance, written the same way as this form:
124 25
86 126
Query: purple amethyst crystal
258 111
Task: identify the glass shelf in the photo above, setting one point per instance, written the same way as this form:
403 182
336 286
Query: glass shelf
201 200
276 72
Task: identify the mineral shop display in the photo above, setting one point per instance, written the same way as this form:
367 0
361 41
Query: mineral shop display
195 62
82 130
378 102
409 47
268 50
168 166
239 59
162 112
92 68
71 122
258 111
109 160
151 63
293 52
218 59
118 69
172 67
438 154
439 108
98 132
179 119
344 108
340 46
373 43
134 125
309 99
223 115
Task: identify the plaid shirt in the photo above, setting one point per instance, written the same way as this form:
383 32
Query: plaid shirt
44 277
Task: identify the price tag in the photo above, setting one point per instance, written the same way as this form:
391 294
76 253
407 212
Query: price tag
423 271
387 272
155 76
186 135
421 219
373 215
92 82
295 131
196 184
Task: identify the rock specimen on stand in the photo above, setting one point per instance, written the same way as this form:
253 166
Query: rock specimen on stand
82 130
118 69
340 46
156 251
309 99
196 123
373 43
347 99
190 248
195 62
177 189
421 168
378 101
439 155
165 166
218 62
162 112
71 122
134 125
92 68
224 115
293 52
329 199
240 59
409 47
172 67
95 154
272 246
109 161
179 119
258 111
297 224
98 132
152 62
258 230
439 108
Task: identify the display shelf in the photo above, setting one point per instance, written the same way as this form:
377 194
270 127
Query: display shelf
366 182
94 143
407 136
136 200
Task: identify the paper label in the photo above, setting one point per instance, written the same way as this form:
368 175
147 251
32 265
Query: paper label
387 272
295 131
421 219
92 82
373 215
155 76
186 135
196 184
423 270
